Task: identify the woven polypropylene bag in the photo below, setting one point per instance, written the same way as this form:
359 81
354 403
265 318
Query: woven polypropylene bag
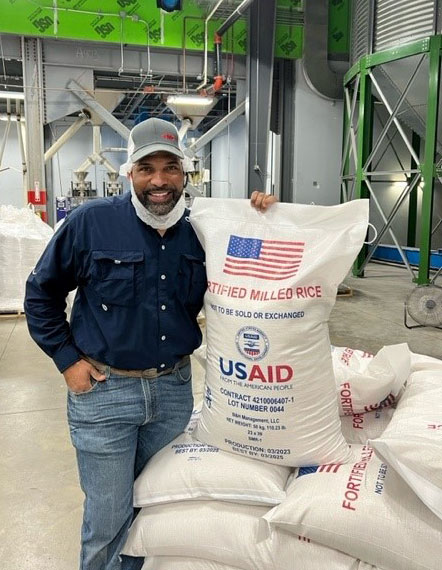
189 470
226 533
366 382
359 428
412 442
181 563
23 237
364 509
270 392
331 560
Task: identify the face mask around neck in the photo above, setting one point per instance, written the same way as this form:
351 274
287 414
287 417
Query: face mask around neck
154 221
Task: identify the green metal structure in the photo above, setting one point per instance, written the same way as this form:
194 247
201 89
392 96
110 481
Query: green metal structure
359 171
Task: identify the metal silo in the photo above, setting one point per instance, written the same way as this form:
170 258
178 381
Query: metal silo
392 98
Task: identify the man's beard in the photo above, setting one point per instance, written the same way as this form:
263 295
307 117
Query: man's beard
163 208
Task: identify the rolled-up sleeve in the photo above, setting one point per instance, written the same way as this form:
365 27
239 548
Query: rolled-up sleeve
45 300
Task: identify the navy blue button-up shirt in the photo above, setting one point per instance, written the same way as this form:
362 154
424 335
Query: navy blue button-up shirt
138 293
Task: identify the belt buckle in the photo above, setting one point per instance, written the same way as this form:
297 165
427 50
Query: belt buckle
150 373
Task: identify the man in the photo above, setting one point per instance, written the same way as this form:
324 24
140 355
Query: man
140 274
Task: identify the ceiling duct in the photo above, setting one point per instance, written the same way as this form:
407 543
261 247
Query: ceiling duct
319 76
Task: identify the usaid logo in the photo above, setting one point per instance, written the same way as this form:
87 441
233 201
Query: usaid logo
252 343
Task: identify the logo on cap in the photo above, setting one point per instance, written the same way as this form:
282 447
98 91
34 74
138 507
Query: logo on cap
168 136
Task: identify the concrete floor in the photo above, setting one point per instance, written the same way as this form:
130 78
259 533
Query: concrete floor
40 500
374 315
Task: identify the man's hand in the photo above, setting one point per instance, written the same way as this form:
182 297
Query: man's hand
78 376
262 201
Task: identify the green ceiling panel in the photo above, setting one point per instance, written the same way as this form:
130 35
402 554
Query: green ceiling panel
132 21
339 26
289 42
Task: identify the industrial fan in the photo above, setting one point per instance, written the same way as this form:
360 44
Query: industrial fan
424 306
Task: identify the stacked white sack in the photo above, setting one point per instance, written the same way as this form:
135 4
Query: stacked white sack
272 282
367 387
359 428
201 509
366 382
187 469
424 362
364 509
23 237
227 533
331 563
181 563
412 443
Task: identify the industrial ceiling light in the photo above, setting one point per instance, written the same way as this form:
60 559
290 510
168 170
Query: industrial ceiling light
11 95
169 5
191 107
191 100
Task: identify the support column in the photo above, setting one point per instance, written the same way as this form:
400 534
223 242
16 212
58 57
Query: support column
262 18
34 102
346 152
428 166
288 79
412 200
364 142
49 177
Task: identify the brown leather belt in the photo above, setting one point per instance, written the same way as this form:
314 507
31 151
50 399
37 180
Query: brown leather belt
147 373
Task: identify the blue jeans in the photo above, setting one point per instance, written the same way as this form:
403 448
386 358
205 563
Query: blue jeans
115 428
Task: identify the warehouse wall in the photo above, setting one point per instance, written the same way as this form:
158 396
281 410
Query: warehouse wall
11 179
229 154
318 144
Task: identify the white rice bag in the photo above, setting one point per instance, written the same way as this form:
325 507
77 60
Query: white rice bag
270 392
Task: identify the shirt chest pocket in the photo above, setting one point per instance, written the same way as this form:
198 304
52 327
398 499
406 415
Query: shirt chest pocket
116 276
193 280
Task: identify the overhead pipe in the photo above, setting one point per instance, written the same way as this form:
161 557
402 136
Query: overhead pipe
96 156
7 129
5 138
23 155
121 14
21 144
206 23
85 165
97 153
204 139
217 71
68 134
234 16
108 164
319 76
185 126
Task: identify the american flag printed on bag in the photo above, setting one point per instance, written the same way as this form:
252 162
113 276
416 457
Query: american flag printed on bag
264 259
